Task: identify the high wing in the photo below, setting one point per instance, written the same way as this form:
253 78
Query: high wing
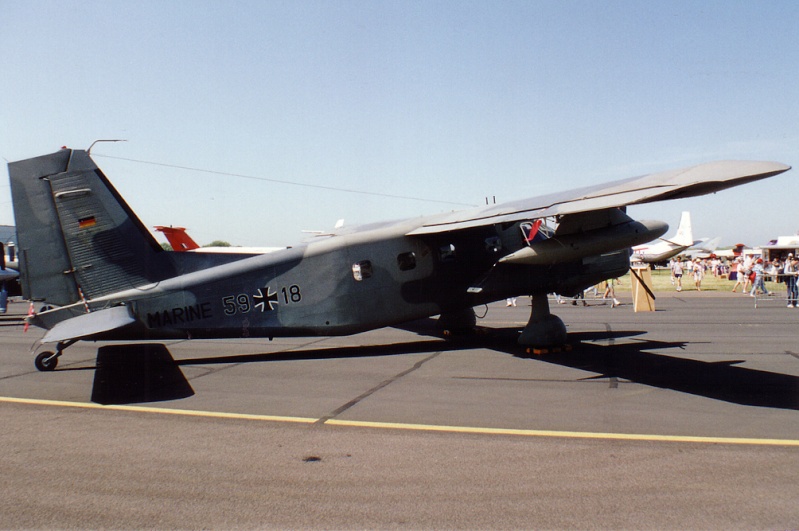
674 184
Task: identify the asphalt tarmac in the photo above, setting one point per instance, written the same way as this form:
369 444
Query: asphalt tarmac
686 417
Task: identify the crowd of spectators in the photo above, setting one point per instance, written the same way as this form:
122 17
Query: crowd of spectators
749 272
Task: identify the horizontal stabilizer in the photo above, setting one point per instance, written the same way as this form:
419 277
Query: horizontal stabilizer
90 324
708 245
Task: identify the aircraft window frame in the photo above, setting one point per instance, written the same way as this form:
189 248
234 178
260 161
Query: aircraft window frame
362 270
406 261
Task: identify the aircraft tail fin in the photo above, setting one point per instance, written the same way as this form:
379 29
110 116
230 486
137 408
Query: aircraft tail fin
685 234
77 238
709 245
178 238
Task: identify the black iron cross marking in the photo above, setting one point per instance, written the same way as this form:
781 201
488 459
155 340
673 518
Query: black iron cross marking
267 302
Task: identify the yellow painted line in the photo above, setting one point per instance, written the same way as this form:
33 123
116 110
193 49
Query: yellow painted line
566 434
158 410
412 427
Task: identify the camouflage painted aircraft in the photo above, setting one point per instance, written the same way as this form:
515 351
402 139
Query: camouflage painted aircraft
101 275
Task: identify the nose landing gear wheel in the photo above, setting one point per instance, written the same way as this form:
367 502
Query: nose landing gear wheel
46 361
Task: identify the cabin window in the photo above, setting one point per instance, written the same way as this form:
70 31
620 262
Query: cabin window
362 270
406 261
447 253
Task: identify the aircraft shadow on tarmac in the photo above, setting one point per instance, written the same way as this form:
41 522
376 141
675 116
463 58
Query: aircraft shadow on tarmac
148 373
129 374
632 360
135 373
717 380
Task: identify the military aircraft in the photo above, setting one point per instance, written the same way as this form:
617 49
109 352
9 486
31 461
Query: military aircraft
101 275
666 248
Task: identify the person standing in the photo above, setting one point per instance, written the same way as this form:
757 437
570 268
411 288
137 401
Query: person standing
676 271
3 297
739 274
747 265
790 275
759 283
580 295
738 269
610 292
699 274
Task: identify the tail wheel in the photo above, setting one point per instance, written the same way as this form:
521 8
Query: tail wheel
46 361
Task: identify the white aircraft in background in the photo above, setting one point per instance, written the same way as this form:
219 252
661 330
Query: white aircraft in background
665 248
182 242
704 248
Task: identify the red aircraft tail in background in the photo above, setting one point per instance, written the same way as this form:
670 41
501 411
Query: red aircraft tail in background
178 239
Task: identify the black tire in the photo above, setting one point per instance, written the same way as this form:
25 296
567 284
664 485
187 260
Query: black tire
45 365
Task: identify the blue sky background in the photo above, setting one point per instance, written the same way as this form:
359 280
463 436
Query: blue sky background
446 102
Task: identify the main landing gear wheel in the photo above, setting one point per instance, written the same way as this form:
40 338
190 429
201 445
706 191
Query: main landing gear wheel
46 361
457 324
543 330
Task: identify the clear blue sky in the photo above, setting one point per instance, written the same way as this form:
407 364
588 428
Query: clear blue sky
441 101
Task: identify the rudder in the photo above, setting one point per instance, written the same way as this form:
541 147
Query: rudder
685 233
78 239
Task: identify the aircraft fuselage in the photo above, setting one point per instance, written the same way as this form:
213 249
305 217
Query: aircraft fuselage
348 283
